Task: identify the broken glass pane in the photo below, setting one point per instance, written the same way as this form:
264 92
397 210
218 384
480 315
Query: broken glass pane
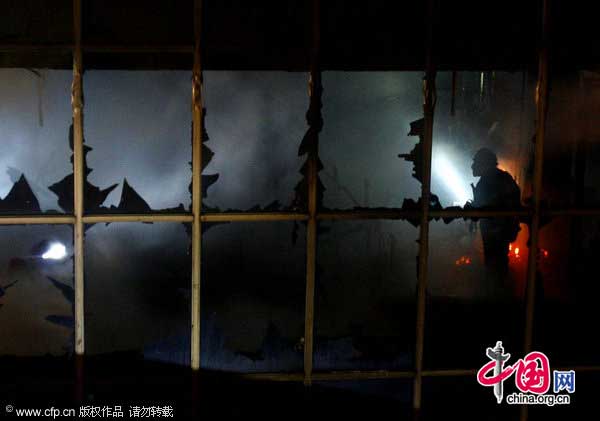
482 139
365 295
367 120
255 121
35 115
253 295
137 293
138 126
476 287
36 290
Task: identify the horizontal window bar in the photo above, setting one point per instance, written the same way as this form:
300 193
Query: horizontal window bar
16 219
36 219
138 49
98 48
251 217
92 219
273 377
368 214
403 214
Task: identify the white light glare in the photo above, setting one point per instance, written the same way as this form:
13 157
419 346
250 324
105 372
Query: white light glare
56 251
453 181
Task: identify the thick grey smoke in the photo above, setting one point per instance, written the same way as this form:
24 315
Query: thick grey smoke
367 119
139 126
35 114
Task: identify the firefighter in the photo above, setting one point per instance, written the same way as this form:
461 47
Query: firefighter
498 190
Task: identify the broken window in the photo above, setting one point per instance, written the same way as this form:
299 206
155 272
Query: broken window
138 141
481 259
477 275
253 295
35 114
255 123
36 290
258 135
483 120
137 290
373 260
367 119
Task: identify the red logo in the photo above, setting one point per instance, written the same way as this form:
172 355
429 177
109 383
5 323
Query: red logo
532 373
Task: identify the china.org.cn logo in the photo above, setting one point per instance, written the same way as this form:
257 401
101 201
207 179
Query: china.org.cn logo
532 378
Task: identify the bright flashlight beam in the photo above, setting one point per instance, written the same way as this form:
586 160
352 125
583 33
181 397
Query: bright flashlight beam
453 181
56 251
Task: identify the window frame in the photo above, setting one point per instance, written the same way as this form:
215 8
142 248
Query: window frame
312 215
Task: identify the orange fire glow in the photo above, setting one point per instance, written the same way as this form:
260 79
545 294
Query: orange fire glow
514 251
464 260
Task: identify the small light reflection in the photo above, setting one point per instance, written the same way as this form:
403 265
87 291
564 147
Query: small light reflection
56 251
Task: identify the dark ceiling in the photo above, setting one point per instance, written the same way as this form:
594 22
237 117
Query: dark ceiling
276 34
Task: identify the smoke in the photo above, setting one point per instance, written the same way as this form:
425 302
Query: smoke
367 118
139 126
255 121
41 152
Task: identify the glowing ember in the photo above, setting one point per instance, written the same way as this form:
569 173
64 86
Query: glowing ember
514 251
464 260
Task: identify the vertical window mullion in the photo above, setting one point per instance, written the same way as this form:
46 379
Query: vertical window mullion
541 100
314 120
428 111
197 130
78 206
